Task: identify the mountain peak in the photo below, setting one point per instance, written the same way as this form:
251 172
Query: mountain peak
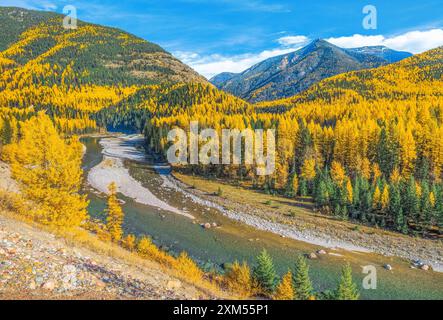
286 75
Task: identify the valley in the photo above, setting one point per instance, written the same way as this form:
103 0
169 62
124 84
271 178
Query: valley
238 238
86 117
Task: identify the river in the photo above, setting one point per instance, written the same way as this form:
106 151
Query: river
236 241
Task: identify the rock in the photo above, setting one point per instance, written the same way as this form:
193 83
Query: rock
32 285
387 267
173 284
321 252
49 285
214 225
312 256
425 267
207 225
99 284
69 269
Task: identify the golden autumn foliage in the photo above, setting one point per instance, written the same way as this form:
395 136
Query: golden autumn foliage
129 242
349 191
238 279
115 215
376 198
49 172
187 268
285 290
384 201
308 170
338 173
147 249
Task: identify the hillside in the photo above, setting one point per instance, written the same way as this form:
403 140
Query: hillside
96 54
411 80
38 265
286 75
365 145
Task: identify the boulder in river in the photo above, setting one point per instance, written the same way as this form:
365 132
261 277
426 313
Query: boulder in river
312 256
425 267
321 252
387 267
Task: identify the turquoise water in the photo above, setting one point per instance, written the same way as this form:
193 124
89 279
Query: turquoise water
235 241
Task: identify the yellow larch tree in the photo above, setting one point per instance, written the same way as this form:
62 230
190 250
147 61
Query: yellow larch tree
308 170
376 198
238 279
285 290
408 153
115 215
385 198
48 169
349 191
338 173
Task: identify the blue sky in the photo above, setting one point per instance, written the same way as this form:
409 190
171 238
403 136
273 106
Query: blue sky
231 35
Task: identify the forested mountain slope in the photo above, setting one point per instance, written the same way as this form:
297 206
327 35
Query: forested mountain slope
72 74
92 53
365 145
289 74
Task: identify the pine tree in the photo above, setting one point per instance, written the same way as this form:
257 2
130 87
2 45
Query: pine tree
411 203
347 289
284 290
264 273
301 282
115 217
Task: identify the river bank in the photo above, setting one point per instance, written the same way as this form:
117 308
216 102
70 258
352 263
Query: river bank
241 205
39 265
234 240
111 169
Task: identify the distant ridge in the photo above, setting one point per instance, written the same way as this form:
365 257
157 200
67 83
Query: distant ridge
102 55
286 75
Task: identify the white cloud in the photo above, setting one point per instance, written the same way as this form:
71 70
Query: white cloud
413 41
292 40
211 65
214 64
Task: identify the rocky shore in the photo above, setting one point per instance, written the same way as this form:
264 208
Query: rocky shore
319 230
37 265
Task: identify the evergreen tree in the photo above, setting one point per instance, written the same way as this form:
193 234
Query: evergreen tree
347 289
301 281
264 273
303 187
411 203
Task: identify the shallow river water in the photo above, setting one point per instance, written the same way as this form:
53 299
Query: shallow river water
237 241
